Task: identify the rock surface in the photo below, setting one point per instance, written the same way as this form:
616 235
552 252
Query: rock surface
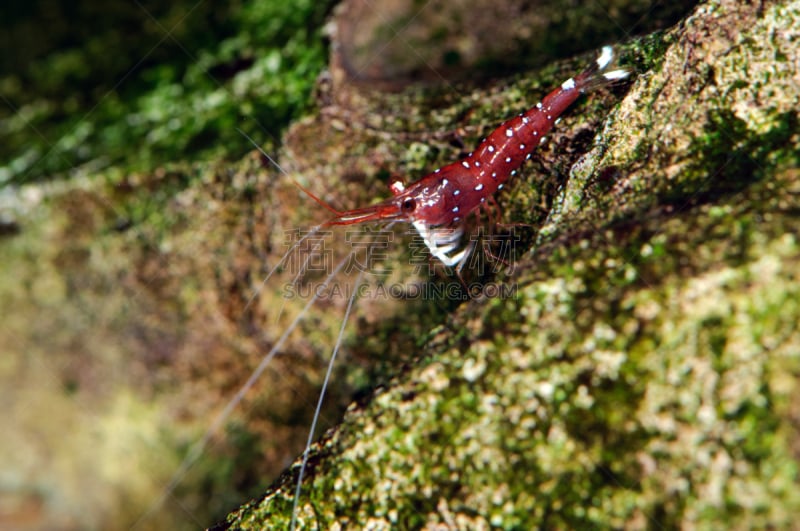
646 372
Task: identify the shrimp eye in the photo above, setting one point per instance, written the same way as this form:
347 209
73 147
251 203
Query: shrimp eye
409 205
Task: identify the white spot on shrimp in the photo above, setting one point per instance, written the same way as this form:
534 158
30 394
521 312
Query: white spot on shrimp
528 157
568 84
522 146
508 159
606 55
513 172
445 182
525 120
455 209
542 140
456 192
437 170
477 164
456 218
465 164
536 133
549 117
616 74
509 132
499 186
483 199
479 187
494 175
491 149
539 105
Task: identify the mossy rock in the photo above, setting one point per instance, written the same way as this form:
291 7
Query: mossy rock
645 374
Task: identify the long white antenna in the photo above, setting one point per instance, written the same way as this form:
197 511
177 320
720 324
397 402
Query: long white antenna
321 398
262 151
197 449
296 244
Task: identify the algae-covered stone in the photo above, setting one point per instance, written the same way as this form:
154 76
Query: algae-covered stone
645 373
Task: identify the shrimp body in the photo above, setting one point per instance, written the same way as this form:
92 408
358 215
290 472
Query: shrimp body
438 203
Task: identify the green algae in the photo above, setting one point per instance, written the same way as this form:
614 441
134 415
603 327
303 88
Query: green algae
195 72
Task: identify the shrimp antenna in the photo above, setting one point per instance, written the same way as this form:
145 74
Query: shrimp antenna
197 449
297 184
304 463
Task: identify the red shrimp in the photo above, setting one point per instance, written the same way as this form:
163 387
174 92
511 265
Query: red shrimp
438 203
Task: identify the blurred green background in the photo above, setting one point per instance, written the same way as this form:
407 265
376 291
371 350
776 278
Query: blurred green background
85 85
